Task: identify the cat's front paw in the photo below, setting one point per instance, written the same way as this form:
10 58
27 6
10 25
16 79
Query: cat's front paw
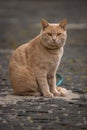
57 94
48 95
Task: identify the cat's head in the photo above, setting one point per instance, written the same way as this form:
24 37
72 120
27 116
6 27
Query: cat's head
53 35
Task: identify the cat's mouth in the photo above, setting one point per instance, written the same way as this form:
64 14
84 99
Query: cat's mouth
55 43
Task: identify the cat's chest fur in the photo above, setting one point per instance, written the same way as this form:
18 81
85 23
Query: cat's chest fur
55 60
49 59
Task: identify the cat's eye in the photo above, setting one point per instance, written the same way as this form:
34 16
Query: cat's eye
58 34
49 34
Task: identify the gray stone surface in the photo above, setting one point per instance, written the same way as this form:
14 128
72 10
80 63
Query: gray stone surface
19 22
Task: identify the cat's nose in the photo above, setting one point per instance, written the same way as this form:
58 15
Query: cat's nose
54 39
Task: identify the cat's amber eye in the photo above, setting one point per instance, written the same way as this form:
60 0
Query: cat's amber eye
49 34
58 34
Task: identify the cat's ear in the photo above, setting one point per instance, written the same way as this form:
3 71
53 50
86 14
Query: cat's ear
63 24
44 23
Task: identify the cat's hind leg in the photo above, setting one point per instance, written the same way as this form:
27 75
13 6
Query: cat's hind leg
23 81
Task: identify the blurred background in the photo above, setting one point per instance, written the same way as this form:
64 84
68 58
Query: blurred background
20 19
20 22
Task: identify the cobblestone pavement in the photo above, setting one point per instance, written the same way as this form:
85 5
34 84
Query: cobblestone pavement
19 23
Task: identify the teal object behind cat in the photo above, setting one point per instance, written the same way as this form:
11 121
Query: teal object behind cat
61 79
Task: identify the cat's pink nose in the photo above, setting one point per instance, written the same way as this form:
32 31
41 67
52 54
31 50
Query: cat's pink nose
54 39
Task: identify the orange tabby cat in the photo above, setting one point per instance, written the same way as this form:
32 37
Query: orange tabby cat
33 66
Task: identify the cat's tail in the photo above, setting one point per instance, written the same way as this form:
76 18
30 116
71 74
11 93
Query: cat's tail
63 91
